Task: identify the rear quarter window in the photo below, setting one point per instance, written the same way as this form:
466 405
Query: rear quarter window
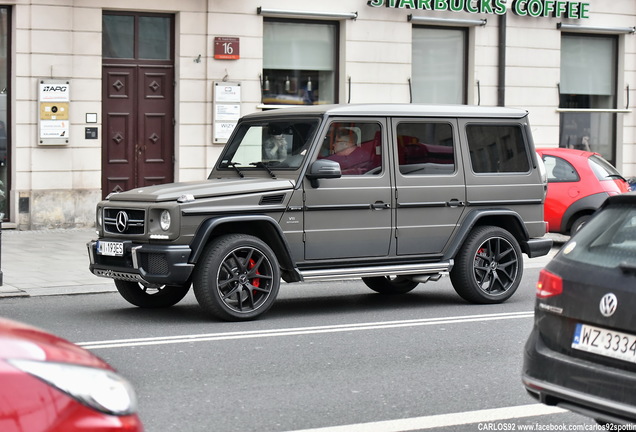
497 148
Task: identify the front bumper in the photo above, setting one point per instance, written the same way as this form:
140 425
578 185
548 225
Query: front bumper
144 263
594 390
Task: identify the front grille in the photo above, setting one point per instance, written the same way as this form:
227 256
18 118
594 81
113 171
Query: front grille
124 221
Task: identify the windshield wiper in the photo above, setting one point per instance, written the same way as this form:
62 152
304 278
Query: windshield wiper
265 167
233 165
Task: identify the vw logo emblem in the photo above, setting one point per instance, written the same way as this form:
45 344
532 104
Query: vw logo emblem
608 305
121 222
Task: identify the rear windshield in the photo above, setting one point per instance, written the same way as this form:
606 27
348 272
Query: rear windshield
607 240
602 168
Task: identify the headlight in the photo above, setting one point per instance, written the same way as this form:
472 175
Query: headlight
164 221
100 389
99 217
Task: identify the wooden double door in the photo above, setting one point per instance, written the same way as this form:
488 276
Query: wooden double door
137 100
138 126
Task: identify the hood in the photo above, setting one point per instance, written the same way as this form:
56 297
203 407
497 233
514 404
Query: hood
21 341
202 189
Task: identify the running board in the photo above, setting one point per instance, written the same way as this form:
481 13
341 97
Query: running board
371 271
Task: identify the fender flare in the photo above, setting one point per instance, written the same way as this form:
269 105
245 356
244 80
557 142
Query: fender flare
516 228
587 205
273 236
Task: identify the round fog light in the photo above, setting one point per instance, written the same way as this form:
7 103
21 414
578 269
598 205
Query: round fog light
165 220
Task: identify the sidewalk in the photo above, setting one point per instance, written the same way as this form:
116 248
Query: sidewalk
55 262
48 262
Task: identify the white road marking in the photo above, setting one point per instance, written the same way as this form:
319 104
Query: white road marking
445 420
164 340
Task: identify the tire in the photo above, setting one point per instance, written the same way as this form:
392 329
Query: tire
489 266
237 278
390 284
151 297
578 224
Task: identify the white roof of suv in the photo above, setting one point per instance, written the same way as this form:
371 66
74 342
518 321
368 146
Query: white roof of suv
404 110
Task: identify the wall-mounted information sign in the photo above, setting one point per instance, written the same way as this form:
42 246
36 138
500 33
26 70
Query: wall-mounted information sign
53 117
227 110
226 48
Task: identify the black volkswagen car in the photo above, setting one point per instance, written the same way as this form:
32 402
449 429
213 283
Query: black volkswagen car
581 354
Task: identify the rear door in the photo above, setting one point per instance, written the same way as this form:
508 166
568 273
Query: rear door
429 179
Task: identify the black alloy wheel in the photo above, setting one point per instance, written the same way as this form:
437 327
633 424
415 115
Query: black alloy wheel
489 266
151 297
237 278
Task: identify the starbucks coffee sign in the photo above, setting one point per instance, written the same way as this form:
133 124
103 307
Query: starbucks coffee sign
531 8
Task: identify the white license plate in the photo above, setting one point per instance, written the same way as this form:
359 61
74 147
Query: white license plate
110 248
608 343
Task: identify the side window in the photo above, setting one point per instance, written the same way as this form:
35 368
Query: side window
559 170
356 146
497 148
425 148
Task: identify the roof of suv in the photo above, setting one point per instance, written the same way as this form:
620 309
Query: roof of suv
405 110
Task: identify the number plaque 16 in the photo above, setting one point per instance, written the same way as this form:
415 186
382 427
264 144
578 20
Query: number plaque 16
226 48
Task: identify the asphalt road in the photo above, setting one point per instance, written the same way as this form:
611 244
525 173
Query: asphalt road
326 355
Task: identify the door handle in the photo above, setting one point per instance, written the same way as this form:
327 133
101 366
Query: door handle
454 203
380 205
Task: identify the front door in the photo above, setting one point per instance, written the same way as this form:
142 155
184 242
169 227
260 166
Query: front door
138 101
350 217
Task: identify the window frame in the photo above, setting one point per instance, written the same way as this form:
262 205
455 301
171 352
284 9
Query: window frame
569 108
466 35
336 58
137 16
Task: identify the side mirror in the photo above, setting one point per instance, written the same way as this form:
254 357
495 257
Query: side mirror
323 169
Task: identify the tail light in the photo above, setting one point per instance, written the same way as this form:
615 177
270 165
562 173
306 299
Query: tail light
549 285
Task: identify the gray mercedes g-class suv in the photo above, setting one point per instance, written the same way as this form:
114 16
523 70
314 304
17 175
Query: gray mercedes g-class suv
394 194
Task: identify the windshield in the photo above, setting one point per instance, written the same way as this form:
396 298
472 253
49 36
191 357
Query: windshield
269 144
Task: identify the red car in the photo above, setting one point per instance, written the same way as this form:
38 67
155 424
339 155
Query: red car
578 183
47 384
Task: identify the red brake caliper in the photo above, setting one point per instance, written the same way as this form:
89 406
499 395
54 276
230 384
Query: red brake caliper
256 281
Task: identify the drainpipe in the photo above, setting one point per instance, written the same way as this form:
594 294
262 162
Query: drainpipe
501 74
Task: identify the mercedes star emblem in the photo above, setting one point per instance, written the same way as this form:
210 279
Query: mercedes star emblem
608 305
121 221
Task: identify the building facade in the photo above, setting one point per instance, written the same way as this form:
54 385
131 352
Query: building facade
99 96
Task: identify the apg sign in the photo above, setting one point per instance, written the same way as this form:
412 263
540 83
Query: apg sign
531 8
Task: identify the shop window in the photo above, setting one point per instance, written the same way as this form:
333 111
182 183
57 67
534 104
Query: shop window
299 62
588 82
497 149
438 65
425 148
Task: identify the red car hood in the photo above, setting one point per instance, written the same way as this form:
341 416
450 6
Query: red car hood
21 341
